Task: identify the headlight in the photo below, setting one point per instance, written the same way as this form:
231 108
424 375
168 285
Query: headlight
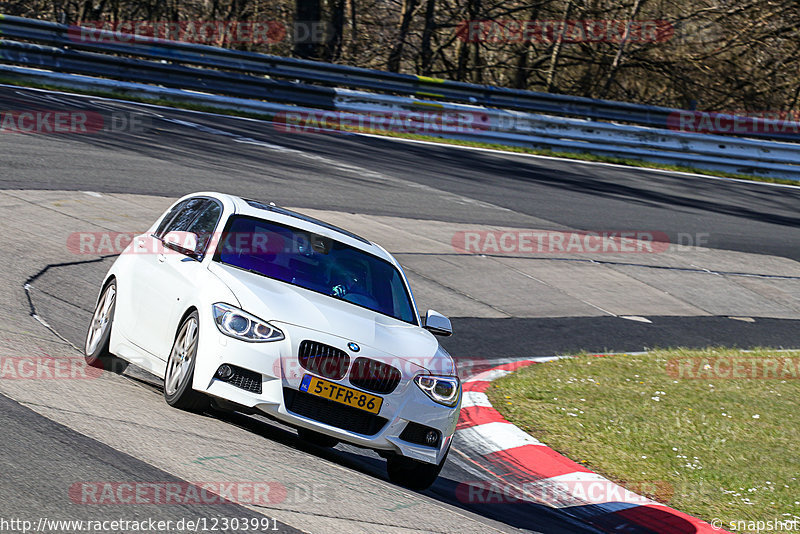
442 389
241 325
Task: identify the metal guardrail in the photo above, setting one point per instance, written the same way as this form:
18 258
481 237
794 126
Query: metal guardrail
272 84
165 74
346 76
332 74
505 127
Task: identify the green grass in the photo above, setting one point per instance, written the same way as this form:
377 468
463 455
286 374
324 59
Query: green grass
723 448
419 137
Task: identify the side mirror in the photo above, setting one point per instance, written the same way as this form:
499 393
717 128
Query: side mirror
183 242
437 324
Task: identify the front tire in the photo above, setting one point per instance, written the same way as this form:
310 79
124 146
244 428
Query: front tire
179 375
413 474
98 335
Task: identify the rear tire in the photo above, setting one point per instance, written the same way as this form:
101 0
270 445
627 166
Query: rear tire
179 374
98 335
413 474
316 438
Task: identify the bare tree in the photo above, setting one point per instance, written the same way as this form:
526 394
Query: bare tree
426 51
396 54
612 71
307 13
719 54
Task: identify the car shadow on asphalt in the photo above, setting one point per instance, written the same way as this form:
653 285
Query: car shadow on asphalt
448 488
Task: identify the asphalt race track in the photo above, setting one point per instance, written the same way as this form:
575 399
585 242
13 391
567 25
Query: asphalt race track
730 277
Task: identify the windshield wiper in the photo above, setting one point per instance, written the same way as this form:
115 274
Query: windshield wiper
248 270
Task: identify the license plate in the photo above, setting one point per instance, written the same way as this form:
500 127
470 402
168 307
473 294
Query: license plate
341 394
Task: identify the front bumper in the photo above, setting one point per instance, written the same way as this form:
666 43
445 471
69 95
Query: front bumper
280 373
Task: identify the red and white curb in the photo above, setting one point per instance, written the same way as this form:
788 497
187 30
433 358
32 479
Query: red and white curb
541 475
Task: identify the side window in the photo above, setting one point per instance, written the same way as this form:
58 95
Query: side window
186 216
197 215
161 230
204 225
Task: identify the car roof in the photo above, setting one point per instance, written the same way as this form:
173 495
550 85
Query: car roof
271 212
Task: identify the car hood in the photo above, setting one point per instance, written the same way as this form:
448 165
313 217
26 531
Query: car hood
279 302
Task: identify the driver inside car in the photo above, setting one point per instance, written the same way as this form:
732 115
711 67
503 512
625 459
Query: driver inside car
349 282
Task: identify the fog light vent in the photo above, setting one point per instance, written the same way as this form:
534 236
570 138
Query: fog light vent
431 438
224 372
241 378
421 435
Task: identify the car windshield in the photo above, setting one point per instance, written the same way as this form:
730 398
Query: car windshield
316 263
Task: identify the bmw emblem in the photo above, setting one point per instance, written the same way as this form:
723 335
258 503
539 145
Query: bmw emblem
353 346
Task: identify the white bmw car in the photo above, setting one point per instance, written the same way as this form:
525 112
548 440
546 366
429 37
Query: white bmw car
264 310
